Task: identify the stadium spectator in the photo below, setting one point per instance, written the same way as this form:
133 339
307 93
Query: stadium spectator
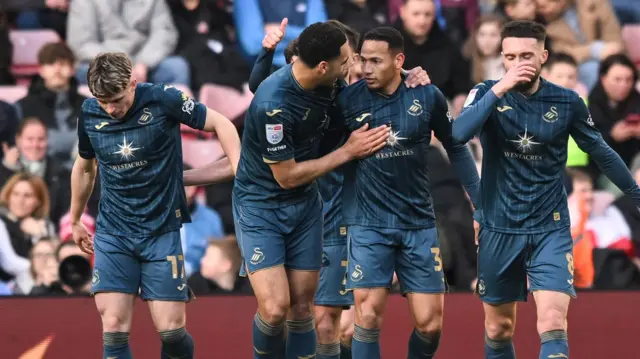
587 30
562 69
143 30
219 270
207 41
44 265
360 15
627 208
6 52
483 49
54 99
580 207
24 210
30 156
255 18
8 127
205 224
427 46
517 9
615 106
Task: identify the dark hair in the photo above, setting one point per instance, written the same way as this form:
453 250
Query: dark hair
353 37
320 42
618 59
560 58
290 51
55 51
386 34
524 29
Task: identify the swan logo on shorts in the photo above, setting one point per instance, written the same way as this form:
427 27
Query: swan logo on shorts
96 278
481 287
257 256
275 134
325 259
357 274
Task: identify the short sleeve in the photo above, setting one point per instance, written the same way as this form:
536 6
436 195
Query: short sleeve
582 128
85 149
276 133
475 95
183 108
440 116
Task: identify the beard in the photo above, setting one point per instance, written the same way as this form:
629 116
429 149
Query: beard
526 86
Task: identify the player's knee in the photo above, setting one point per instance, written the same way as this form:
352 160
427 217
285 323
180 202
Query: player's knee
114 322
430 326
327 325
552 319
301 311
346 333
499 328
369 315
273 311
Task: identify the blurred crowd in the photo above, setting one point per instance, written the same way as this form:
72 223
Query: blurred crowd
207 48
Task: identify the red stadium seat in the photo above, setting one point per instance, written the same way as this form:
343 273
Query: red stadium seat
228 101
631 36
198 153
26 45
12 94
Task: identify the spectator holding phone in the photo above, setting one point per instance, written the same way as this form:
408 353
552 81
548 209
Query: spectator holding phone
615 106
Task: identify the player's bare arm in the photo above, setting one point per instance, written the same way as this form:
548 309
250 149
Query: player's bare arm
215 172
361 143
83 176
227 134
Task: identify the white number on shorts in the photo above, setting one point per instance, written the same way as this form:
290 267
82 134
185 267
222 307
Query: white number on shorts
174 265
436 253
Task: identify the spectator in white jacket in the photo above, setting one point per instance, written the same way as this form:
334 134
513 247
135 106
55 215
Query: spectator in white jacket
142 29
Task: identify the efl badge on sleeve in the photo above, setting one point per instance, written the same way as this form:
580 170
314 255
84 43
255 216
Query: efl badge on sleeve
275 134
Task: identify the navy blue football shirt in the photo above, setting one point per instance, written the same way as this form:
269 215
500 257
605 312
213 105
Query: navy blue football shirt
283 122
524 141
140 160
390 189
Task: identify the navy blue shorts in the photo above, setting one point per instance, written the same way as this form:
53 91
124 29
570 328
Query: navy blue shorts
152 267
375 253
332 291
506 260
289 236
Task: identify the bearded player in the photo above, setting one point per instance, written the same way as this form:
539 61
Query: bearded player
524 123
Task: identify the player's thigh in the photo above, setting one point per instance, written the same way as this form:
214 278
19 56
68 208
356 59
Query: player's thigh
260 239
116 310
167 315
500 320
371 258
418 262
163 273
501 267
551 264
332 284
271 288
303 246
552 309
116 268
427 311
